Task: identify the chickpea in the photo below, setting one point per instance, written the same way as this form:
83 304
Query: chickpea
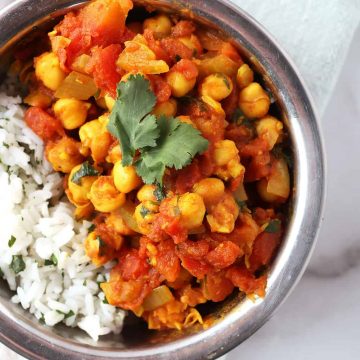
88 131
227 160
71 112
48 70
95 136
215 105
79 192
114 154
192 210
104 195
245 76
116 222
109 102
167 108
193 43
225 151
160 25
180 86
254 101
93 249
125 178
270 129
146 193
83 211
210 189
64 154
261 187
145 214
217 86
223 215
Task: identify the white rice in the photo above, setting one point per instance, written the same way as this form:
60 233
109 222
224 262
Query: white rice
44 229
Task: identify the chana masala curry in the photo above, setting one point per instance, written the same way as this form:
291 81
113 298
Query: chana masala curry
167 145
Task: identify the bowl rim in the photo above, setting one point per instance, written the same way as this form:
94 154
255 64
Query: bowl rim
308 206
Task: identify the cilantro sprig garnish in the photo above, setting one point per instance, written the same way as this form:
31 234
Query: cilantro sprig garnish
151 144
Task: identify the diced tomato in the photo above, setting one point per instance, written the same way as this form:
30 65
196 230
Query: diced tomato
131 265
183 28
160 87
259 167
242 278
196 268
264 249
167 262
188 177
224 255
231 52
196 249
156 47
206 163
44 125
175 48
254 147
187 68
101 23
216 287
103 68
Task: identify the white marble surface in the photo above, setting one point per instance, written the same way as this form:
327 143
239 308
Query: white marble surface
320 319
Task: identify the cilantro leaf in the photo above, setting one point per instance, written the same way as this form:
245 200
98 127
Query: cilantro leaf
17 264
66 315
86 169
144 211
12 240
91 228
273 226
159 193
130 121
176 146
52 261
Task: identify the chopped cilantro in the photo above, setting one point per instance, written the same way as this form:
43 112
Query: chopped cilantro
12 240
91 228
159 193
86 169
241 204
240 119
66 315
144 211
105 301
17 264
6 145
42 319
273 226
52 261
224 79
163 142
1 273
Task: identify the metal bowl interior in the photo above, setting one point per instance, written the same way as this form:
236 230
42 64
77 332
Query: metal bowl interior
237 318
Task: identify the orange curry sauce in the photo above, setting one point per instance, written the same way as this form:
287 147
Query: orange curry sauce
217 223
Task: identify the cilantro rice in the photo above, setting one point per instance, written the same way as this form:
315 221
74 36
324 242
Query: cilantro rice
41 245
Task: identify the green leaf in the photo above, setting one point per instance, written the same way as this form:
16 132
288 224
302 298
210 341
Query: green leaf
17 264
12 240
42 319
241 204
86 169
176 146
274 226
159 193
105 301
129 119
1 273
91 228
67 315
144 211
52 261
